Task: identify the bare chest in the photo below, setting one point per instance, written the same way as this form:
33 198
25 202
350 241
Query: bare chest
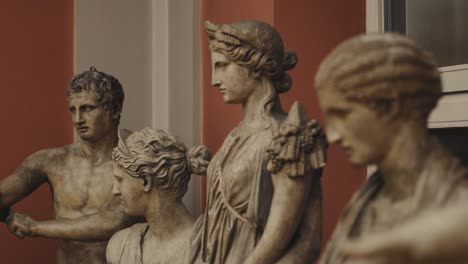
81 188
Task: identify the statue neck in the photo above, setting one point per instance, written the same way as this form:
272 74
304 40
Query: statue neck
255 108
404 162
167 218
101 150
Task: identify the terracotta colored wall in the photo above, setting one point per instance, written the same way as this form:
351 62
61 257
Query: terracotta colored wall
311 28
36 64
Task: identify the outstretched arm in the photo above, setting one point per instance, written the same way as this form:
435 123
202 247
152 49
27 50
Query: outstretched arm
89 228
26 179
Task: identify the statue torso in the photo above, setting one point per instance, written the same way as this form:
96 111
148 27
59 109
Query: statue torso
79 187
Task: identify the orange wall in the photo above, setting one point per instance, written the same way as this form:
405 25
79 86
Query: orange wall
311 28
36 64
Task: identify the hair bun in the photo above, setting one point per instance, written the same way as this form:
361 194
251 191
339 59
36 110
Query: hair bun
198 158
284 83
289 60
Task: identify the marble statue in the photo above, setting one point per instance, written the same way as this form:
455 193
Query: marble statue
376 92
79 175
152 171
263 185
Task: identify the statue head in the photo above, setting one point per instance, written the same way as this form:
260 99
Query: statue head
152 161
248 58
257 46
107 88
372 85
382 71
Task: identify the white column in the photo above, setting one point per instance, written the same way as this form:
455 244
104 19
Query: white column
152 47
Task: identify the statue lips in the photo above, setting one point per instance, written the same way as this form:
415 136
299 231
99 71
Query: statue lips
82 129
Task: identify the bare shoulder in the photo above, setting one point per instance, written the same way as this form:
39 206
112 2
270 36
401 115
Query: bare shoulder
43 159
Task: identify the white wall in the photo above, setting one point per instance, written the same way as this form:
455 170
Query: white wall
152 47
116 37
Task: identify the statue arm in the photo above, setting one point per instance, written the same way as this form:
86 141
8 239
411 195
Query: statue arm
305 247
26 179
286 212
95 227
89 228
297 155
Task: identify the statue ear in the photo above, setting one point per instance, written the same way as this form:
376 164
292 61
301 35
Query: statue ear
147 183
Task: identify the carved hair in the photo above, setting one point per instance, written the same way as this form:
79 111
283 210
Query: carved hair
153 153
379 70
257 46
108 89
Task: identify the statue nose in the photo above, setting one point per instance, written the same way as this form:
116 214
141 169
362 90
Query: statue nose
332 135
215 81
78 118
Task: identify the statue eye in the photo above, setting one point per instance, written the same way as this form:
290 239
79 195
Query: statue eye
87 108
221 65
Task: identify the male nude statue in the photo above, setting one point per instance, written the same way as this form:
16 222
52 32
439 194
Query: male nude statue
80 175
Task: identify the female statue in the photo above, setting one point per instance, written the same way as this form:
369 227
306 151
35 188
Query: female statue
152 171
376 92
264 193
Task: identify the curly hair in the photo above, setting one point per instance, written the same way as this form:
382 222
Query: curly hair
380 69
257 46
108 89
153 153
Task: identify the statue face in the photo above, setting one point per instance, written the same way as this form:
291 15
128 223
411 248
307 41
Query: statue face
363 135
91 120
130 190
233 80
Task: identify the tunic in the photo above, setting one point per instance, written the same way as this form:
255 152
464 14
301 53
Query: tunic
239 197
240 186
126 246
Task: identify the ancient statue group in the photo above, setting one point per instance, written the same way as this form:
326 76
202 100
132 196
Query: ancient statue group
117 193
